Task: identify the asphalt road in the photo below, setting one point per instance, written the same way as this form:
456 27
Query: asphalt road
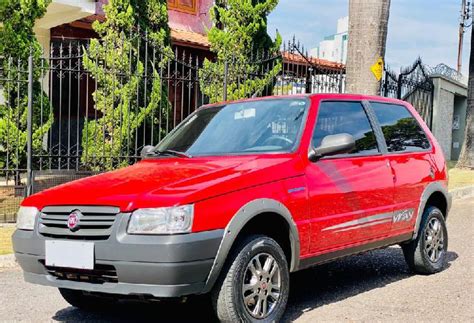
376 286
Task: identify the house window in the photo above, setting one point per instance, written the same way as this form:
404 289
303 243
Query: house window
188 6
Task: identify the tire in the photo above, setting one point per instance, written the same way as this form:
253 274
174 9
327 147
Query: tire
269 271
427 253
83 301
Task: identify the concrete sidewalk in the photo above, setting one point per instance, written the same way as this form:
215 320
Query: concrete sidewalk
462 192
7 261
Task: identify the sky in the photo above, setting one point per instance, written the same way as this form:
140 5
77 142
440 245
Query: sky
425 28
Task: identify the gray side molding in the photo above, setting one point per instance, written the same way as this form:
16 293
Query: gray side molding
430 189
240 219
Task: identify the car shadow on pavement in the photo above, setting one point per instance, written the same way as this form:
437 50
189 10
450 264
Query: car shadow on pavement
197 309
347 277
310 289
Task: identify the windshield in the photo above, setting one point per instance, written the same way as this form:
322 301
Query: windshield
245 127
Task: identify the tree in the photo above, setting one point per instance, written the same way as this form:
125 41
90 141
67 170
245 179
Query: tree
368 24
117 62
239 39
17 43
466 159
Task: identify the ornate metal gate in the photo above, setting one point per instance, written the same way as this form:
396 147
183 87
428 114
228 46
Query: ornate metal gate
413 85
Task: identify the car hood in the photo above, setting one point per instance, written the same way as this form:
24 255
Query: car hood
169 181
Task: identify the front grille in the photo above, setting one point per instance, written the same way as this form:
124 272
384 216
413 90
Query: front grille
94 222
99 275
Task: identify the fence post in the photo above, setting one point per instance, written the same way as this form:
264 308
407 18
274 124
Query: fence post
399 87
29 127
226 71
309 80
341 80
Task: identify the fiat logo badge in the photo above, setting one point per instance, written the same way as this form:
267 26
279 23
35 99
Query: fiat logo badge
73 220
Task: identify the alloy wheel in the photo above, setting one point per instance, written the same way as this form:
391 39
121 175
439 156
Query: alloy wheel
434 240
261 285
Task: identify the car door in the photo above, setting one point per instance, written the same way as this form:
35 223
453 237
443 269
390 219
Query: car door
408 151
350 195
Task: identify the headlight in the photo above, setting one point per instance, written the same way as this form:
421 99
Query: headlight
165 220
25 218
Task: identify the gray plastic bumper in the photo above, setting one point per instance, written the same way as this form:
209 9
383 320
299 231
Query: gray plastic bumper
161 266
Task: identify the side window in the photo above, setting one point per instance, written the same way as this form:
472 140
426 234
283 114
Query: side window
336 117
401 130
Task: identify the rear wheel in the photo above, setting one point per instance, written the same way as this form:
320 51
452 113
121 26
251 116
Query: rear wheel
83 301
427 253
254 285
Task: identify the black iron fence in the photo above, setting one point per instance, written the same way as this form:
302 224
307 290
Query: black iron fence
14 80
62 117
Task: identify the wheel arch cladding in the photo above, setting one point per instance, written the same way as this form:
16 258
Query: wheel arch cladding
435 194
438 200
243 222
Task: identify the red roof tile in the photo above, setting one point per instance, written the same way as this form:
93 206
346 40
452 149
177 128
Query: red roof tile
189 37
298 59
193 39
177 36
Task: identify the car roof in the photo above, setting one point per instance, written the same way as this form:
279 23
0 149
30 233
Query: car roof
320 96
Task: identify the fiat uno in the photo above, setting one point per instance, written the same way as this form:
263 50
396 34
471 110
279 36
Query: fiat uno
237 197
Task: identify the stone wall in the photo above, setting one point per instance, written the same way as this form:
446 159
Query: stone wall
443 120
445 91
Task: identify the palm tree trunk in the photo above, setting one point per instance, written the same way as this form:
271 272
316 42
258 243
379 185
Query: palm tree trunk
368 24
466 159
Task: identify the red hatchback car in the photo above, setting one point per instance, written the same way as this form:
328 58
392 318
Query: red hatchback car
239 195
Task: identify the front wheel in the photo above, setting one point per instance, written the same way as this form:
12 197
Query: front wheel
427 253
254 285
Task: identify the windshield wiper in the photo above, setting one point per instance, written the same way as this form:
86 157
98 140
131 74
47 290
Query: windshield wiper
299 114
173 153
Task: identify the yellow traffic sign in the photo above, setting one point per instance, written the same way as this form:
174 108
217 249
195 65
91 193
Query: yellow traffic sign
377 69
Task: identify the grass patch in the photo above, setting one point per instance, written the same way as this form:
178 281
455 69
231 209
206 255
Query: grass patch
451 164
460 177
10 200
6 239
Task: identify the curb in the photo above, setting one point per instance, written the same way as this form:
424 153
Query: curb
7 225
462 192
7 261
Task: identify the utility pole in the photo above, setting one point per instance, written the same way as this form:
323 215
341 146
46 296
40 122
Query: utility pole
466 13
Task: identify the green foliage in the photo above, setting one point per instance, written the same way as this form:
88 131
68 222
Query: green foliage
16 140
238 36
117 63
17 38
17 42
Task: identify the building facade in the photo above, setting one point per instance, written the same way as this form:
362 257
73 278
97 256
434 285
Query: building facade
334 47
189 21
66 29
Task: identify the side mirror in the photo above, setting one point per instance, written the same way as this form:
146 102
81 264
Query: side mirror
146 150
333 145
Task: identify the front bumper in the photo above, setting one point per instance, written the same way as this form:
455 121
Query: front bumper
158 266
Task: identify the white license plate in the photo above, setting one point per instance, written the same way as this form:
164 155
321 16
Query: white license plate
70 254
